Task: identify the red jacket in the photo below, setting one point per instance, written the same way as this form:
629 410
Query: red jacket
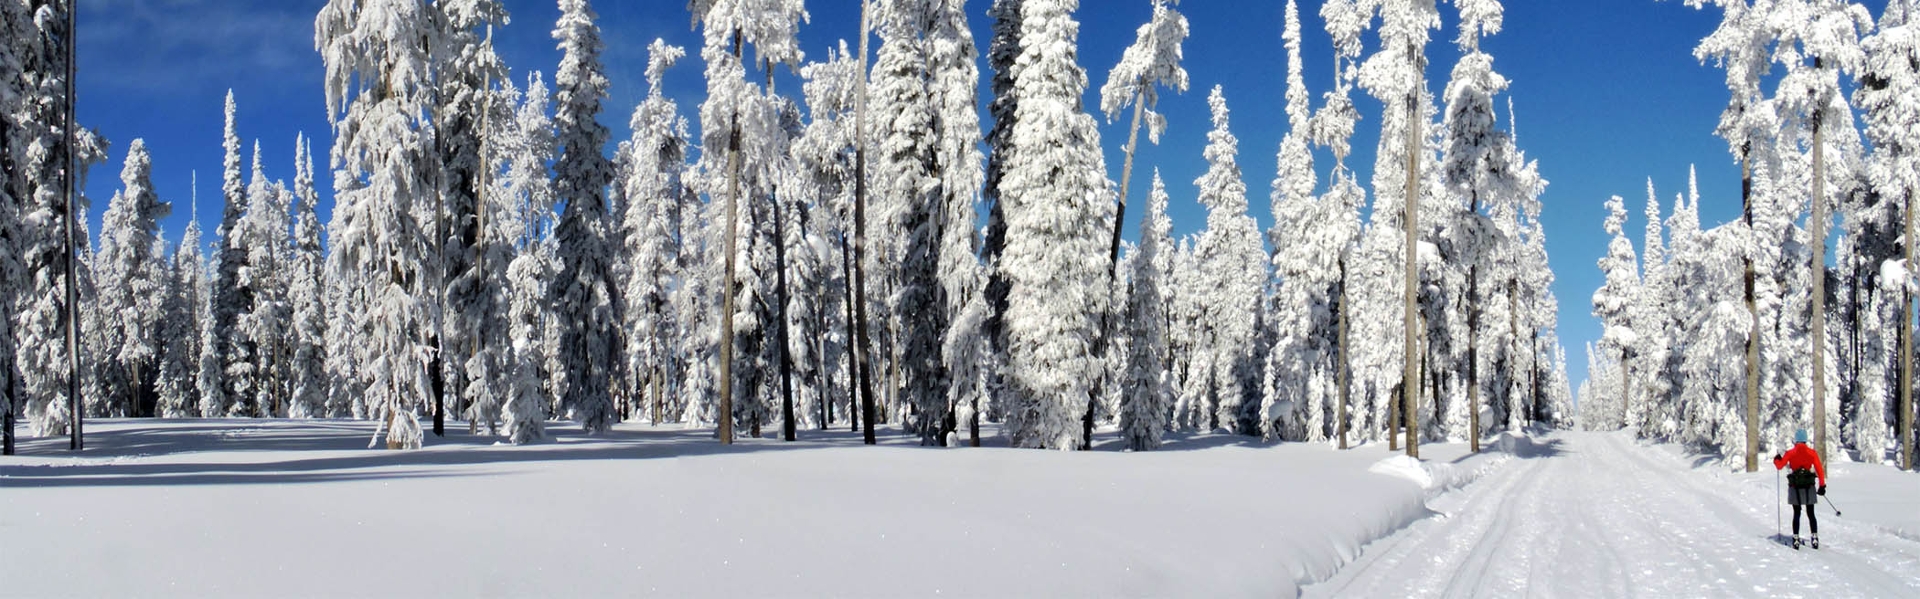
1802 457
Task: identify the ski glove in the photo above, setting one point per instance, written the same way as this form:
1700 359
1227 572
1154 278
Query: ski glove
1823 490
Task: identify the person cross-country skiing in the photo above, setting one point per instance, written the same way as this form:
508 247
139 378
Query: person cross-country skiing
1801 492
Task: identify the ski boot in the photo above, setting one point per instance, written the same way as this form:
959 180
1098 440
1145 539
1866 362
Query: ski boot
1796 542
1816 541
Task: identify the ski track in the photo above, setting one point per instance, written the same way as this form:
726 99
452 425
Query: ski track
1598 515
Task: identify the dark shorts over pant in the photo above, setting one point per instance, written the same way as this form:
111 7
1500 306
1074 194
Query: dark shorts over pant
1801 496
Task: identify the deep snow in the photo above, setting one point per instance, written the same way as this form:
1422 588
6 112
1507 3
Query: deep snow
276 508
301 508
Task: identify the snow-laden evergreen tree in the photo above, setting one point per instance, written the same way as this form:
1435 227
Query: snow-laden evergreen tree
133 284
465 67
655 195
1613 302
225 349
1653 327
1003 54
1739 46
42 161
183 325
1151 62
584 293
378 90
266 324
519 205
955 79
1389 253
1146 399
1818 42
744 120
926 173
905 198
1889 97
1229 256
307 334
824 172
1296 360
1476 166
1057 203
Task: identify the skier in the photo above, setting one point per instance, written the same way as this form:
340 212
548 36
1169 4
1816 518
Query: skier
1800 483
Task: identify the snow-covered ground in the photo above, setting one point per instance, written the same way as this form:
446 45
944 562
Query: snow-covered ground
283 508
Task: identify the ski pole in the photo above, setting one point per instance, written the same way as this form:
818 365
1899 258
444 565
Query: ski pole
1776 503
1836 511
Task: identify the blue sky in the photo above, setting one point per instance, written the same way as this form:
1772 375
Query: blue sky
1607 92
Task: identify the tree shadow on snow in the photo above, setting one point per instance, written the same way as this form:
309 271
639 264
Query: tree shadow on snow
319 451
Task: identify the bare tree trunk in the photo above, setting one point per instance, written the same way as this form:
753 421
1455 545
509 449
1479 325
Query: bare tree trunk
75 442
1753 334
1819 271
786 357
1346 375
1473 359
1905 338
1393 417
823 382
726 289
860 230
1410 385
1513 349
853 358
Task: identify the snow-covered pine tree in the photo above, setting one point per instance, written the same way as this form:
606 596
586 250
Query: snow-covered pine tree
905 198
520 206
655 194
1475 167
1740 47
225 349
1394 75
1228 255
182 327
584 293
1297 285
377 92
1613 303
1003 54
306 367
1889 95
743 119
1652 324
1058 202
1152 61
465 67
1818 42
824 166
132 286
264 326
955 80
44 161
1145 398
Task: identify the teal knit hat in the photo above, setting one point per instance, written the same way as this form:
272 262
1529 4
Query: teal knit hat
1800 436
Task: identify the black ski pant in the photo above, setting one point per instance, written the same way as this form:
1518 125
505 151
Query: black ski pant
1813 523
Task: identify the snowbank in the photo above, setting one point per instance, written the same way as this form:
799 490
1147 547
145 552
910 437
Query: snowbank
246 508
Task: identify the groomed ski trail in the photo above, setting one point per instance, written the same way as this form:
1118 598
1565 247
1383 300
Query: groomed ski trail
1598 515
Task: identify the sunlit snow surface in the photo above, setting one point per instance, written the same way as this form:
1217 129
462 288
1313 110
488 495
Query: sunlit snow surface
279 508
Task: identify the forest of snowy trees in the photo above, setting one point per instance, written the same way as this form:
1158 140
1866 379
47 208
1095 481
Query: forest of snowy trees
876 248
1727 337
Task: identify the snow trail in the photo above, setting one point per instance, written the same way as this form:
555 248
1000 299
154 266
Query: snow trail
1597 515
